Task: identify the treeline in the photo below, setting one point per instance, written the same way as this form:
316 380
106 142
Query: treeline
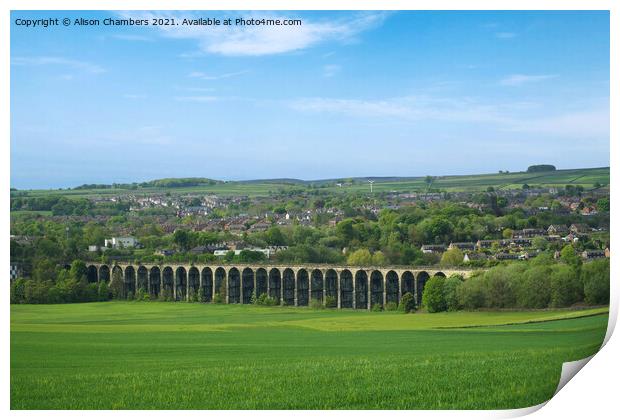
541 168
161 183
70 286
539 284
63 206
58 205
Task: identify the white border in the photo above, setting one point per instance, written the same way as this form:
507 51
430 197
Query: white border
592 394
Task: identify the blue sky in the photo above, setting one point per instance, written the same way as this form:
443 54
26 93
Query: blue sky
345 94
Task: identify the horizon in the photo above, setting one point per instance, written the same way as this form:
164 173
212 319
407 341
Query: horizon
284 179
470 92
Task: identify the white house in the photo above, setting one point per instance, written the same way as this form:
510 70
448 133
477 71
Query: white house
121 242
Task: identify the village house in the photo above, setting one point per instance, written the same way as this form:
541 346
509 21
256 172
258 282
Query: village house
199 250
433 249
121 242
579 228
470 246
591 254
473 257
502 256
528 233
557 230
164 252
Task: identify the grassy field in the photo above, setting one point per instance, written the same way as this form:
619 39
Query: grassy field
560 178
180 356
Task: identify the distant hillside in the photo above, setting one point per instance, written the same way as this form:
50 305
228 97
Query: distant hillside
156 183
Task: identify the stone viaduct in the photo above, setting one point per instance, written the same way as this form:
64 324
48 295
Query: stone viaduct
294 285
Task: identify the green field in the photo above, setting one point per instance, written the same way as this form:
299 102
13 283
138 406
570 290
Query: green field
559 178
133 355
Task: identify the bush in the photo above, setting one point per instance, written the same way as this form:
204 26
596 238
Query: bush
217 298
470 293
17 291
533 289
165 296
103 293
565 286
140 294
377 307
391 306
450 292
316 304
595 279
130 295
499 288
407 303
433 298
201 295
331 301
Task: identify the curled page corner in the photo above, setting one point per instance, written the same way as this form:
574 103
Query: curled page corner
570 369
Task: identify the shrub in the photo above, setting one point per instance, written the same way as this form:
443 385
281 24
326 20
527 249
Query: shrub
565 286
391 306
499 288
595 279
165 296
407 303
130 295
533 289
470 293
139 294
331 302
316 304
270 301
450 292
201 294
433 298
377 307
103 292
17 291
217 298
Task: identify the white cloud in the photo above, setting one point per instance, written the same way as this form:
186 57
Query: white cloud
60 61
132 37
585 125
330 70
205 76
265 40
195 98
520 79
518 116
133 96
410 108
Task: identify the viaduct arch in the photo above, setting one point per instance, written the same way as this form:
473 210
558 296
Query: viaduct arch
295 285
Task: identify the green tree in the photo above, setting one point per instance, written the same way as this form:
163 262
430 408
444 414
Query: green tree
407 303
378 258
452 257
78 270
117 288
471 293
603 204
595 278
433 298
181 238
566 287
103 292
360 257
569 256
450 292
